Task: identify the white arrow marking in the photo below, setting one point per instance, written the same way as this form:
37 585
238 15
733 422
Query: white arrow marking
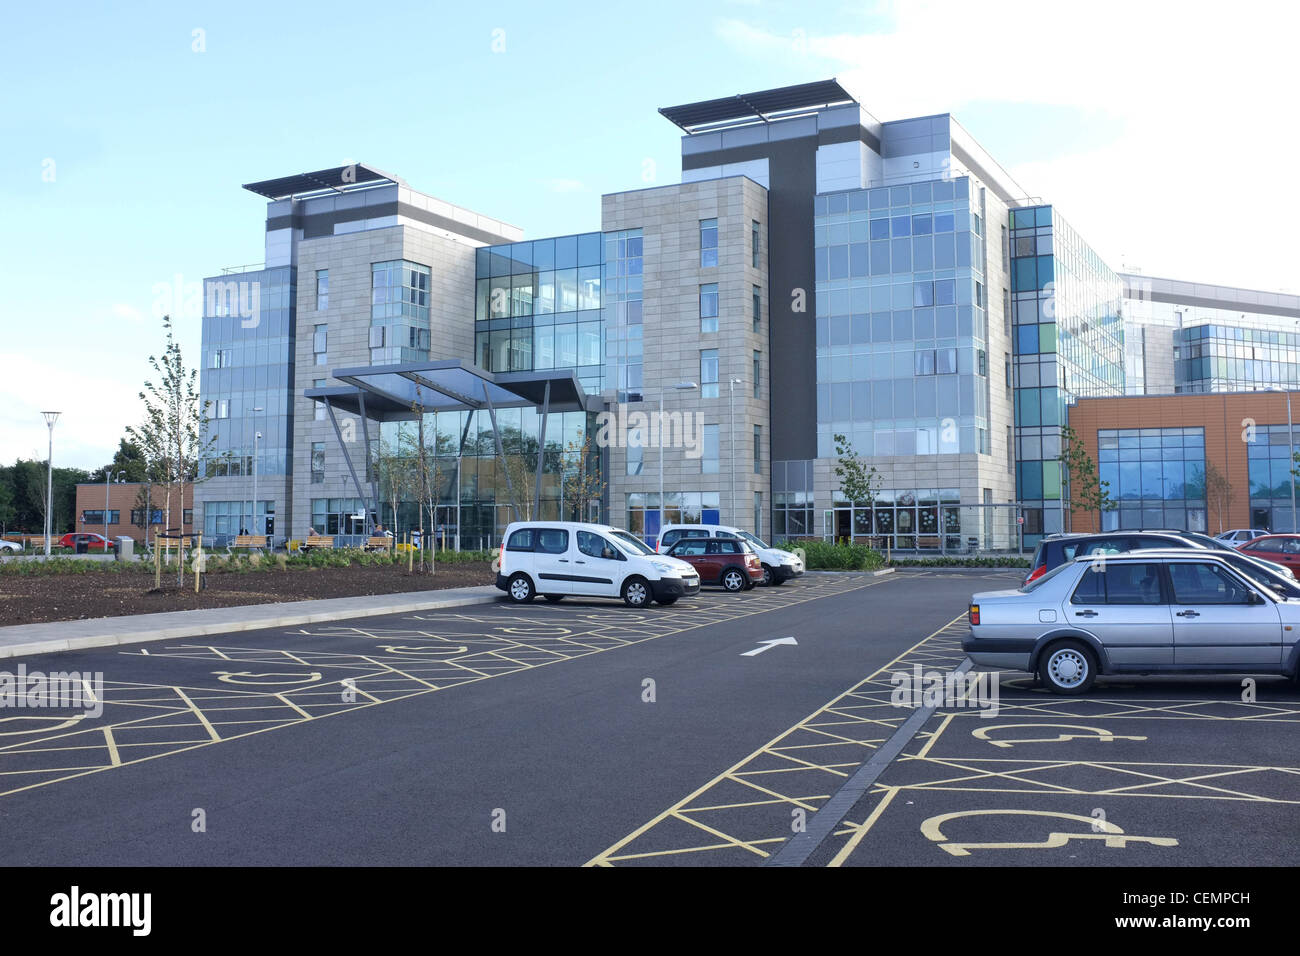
768 645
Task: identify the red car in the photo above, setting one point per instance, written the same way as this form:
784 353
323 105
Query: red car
1283 549
729 562
92 542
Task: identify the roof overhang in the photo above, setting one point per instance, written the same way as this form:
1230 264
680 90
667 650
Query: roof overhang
762 106
338 179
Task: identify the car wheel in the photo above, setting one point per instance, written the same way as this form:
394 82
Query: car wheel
768 576
1068 667
554 598
734 579
636 592
521 589
666 601
777 582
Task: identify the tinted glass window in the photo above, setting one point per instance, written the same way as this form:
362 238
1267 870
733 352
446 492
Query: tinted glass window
521 540
670 538
1120 583
1269 546
689 547
592 545
1205 584
1104 546
552 541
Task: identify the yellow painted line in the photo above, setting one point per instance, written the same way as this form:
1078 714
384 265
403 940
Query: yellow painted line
212 732
938 732
218 653
738 843
112 747
288 703
732 770
686 849
852 843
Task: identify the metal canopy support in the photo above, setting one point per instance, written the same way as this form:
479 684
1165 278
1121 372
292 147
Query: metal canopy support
344 448
501 452
541 447
432 386
374 477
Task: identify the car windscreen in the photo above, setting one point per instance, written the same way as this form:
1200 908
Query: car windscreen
1265 577
756 542
630 543
1039 582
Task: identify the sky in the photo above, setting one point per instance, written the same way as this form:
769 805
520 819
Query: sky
1154 128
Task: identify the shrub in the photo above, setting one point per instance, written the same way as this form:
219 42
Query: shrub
946 561
838 556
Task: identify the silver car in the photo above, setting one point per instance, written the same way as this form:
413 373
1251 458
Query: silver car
1140 612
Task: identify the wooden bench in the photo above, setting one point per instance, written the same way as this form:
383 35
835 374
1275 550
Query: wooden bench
254 541
317 541
379 542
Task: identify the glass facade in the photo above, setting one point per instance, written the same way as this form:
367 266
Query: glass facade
234 517
621 306
538 306
399 312
680 507
248 363
901 322
1068 337
481 487
1156 476
1270 459
1232 358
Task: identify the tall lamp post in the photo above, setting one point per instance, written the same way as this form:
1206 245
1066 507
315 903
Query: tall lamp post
252 512
681 387
50 419
114 476
731 402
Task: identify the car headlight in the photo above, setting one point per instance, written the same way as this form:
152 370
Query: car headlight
664 568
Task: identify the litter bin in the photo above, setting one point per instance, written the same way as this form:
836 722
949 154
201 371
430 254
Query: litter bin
82 546
125 548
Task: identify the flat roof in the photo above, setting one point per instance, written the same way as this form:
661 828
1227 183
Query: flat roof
762 105
338 179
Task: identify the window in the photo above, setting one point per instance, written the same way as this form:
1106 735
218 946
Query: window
758 373
221 358
320 406
318 463
552 541
222 408
187 516
319 344
521 540
322 289
1011 451
758 514
758 449
1119 583
754 240
1006 363
1006 250
709 373
97 517
712 450
709 307
1205 584
982 362
594 546
758 309
708 243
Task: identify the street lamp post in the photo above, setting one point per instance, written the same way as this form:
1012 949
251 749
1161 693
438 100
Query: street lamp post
252 511
115 476
731 402
50 419
681 387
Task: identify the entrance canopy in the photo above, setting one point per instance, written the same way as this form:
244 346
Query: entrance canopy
401 392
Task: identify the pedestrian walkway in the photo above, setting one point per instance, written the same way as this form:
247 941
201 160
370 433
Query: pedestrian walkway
25 639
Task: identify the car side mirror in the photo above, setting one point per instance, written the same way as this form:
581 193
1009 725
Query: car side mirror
1254 597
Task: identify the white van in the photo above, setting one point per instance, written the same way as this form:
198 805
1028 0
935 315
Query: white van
778 566
559 558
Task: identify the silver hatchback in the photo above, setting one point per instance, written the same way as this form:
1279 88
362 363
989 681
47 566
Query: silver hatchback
1141 612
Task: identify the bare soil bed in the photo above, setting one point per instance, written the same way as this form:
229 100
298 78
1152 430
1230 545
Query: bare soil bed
34 599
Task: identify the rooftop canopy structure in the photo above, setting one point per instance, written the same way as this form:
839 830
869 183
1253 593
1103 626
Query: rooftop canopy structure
337 179
760 107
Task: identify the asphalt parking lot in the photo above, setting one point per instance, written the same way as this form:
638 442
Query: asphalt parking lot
587 733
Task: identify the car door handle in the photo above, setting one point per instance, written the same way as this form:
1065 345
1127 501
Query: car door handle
564 560
1188 613
579 562
1085 613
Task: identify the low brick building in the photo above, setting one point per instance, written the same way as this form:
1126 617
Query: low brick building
1156 452
126 512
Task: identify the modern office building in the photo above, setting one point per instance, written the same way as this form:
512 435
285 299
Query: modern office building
816 273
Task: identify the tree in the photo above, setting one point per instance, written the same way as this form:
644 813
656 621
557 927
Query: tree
859 483
173 435
1085 490
1219 493
580 482
128 459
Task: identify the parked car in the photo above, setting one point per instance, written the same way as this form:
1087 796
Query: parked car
1057 549
778 566
1282 549
730 562
560 558
92 542
1240 535
1142 612
10 546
